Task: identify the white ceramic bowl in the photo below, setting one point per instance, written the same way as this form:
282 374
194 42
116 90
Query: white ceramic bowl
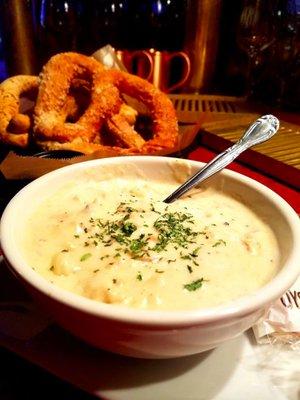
144 333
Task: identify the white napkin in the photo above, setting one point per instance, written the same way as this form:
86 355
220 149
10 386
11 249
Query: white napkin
282 320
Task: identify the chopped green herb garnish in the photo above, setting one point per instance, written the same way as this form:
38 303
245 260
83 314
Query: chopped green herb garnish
127 216
128 228
152 207
190 269
220 241
172 229
96 270
159 271
120 239
191 287
85 256
137 245
195 252
139 277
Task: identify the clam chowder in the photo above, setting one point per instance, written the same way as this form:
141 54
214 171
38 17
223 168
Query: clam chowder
116 241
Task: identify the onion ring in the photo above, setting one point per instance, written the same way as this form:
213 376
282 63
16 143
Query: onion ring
105 88
162 112
128 113
14 126
122 127
165 127
56 79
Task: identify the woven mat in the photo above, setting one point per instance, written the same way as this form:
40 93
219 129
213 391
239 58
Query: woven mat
283 147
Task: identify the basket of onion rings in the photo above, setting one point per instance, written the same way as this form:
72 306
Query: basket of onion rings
78 104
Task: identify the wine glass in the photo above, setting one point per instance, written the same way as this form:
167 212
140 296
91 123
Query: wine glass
58 25
286 52
255 34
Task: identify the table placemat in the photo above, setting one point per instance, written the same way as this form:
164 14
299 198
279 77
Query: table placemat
290 194
278 157
284 146
224 120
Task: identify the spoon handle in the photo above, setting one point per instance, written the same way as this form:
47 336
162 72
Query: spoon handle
260 131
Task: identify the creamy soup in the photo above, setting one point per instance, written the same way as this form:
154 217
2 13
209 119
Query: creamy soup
115 241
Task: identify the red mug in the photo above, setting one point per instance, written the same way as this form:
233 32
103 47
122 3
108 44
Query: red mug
156 67
138 62
163 65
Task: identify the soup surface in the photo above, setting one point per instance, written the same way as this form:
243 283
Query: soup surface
115 241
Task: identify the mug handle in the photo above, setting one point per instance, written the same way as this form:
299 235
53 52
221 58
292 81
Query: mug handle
186 70
145 56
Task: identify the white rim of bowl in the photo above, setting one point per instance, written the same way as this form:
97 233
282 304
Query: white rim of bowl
237 308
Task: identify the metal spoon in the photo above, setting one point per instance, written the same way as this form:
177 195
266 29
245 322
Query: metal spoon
260 131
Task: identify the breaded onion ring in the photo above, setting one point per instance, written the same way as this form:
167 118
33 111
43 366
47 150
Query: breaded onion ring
56 80
162 112
128 113
14 126
20 123
121 126
105 90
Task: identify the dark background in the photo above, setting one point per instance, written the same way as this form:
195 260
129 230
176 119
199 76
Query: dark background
47 27
21 380
53 26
